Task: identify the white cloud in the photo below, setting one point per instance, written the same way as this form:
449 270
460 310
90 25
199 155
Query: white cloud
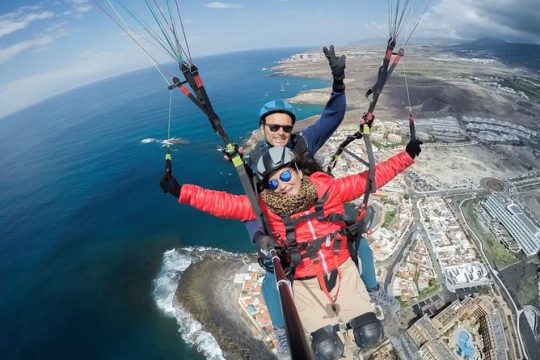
511 20
21 18
11 51
80 6
38 42
220 5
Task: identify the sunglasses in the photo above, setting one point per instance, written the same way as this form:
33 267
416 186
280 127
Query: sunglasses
276 127
285 176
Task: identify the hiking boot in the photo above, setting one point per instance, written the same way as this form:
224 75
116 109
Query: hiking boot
283 352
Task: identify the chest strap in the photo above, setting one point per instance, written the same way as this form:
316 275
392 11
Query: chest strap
311 250
290 225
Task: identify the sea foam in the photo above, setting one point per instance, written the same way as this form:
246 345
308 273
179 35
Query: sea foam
175 262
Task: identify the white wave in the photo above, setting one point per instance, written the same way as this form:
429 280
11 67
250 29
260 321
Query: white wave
150 140
175 262
193 333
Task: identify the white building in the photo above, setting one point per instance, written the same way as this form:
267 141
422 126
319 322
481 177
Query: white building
520 227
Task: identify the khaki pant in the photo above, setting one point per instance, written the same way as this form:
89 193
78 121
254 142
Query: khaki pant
314 307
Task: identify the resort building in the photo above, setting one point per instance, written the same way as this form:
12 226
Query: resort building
518 225
468 329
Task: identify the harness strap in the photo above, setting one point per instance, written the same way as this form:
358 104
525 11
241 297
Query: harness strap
290 223
319 205
299 144
311 249
292 245
322 283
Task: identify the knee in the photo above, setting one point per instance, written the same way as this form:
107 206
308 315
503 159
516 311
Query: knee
326 343
367 330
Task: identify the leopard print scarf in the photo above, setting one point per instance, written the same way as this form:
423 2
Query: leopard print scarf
290 204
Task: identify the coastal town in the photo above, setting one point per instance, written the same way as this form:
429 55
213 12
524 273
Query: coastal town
439 247
456 237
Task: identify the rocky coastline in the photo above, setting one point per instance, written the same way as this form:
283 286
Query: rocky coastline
206 290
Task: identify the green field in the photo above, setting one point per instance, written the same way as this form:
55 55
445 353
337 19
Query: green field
530 88
388 217
433 289
498 251
528 290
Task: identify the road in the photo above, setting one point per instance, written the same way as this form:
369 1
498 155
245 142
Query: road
417 226
397 258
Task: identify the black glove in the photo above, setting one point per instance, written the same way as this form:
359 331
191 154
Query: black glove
337 64
169 185
264 243
413 148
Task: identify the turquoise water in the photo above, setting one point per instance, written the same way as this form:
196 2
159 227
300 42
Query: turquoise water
83 223
465 344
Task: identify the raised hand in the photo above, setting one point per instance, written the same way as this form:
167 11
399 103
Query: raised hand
413 148
337 64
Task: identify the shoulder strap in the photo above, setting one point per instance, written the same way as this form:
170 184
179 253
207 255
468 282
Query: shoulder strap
299 144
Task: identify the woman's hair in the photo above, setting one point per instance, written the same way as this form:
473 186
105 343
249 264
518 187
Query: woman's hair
307 164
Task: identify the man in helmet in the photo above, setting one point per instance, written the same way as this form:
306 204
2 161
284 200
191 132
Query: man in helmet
277 118
276 121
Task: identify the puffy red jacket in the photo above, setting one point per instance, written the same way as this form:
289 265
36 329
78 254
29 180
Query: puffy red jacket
341 191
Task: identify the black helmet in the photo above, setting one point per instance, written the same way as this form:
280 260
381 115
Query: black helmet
277 106
273 159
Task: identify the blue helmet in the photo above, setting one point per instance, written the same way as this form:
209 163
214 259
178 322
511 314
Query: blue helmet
277 106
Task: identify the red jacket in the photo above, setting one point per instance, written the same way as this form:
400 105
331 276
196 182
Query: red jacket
342 190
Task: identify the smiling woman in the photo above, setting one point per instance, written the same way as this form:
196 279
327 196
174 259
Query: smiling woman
307 221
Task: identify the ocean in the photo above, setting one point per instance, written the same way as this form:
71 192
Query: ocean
91 247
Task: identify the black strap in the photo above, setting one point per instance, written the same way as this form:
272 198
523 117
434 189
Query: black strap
299 144
202 101
292 245
310 249
372 95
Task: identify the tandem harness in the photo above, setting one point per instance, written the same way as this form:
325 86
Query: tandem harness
311 250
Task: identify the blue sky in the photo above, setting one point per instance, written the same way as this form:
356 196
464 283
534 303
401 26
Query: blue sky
50 46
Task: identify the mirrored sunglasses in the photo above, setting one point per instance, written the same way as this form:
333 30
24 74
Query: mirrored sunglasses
285 176
276 127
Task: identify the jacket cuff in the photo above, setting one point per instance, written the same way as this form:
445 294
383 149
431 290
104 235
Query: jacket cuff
407 157
338 86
